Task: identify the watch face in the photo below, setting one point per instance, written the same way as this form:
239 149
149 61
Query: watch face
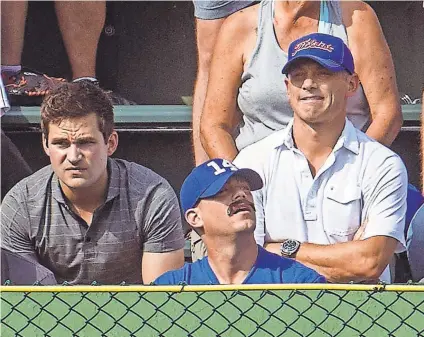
289 247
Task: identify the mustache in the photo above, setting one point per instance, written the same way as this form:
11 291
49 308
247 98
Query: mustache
239 204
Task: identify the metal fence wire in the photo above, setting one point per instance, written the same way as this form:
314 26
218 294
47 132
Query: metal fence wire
246 310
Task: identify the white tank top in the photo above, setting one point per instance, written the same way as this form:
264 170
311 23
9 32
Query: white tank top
262 96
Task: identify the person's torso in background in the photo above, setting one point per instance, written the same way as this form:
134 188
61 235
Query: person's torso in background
262 97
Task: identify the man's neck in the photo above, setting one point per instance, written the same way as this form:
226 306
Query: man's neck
316 141
232 260
84 201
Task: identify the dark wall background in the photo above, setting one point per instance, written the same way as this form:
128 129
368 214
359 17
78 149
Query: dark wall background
147 50
149 53
403 27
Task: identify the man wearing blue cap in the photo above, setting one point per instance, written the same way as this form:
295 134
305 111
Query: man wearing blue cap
217 202
333 198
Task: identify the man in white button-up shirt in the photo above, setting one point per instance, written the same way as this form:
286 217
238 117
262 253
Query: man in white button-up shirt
333 198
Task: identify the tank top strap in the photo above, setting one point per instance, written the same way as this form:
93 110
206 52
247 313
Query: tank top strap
266 41
265 18
331 19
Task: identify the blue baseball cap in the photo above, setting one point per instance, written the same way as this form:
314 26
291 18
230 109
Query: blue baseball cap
209 178
329 51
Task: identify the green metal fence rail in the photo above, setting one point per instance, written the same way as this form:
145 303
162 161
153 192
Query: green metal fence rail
254 310
161 114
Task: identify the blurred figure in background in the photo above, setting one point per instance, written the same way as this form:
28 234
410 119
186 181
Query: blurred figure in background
13 165
80 22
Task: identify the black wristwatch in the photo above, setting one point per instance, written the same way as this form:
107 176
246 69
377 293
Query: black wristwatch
289 248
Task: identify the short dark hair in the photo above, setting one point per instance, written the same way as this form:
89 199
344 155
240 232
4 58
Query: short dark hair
79 99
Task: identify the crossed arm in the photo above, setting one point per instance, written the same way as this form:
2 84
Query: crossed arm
348 261
365 258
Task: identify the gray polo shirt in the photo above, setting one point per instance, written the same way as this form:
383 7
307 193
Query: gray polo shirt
141 213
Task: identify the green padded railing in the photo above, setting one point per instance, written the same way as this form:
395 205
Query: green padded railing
153 114
250 310
131 114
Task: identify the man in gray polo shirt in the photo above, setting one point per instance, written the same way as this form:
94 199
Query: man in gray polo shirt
87 217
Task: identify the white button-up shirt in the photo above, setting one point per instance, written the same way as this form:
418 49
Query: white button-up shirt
361 180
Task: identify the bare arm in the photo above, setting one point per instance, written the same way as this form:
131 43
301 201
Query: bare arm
163 246
374 65
155 264
206 34
348 261
220 116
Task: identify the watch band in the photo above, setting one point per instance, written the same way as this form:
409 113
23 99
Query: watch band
289 248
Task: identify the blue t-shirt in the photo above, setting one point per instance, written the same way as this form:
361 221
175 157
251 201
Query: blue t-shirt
414 200
268 268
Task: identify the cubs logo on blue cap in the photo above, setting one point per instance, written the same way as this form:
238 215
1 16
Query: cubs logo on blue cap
328 50
209 178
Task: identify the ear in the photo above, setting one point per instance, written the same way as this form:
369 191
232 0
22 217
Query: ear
194 219
353 83
112 143
286 81
44 142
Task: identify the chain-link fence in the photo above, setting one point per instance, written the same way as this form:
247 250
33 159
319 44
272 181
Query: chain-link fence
254 310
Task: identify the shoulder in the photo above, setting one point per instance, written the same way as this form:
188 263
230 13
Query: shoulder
175 277
137 172
172 277
242 20
140 178
240 26
262 147
218 9
359 17
190 273
356 13
376 155
379 166
257 154
31 187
